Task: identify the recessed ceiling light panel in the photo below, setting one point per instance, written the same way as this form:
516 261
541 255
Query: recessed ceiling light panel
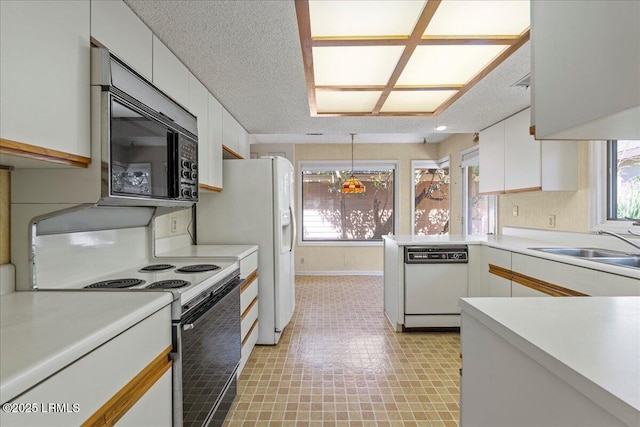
355 65
346 101
479 18
410 101
363 18
441 65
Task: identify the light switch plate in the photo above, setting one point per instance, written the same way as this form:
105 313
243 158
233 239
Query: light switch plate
514 210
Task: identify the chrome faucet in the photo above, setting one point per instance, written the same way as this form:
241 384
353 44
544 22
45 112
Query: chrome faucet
624 239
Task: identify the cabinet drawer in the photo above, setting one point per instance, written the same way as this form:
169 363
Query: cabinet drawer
248 264
95 378
248 344
248 293
248 318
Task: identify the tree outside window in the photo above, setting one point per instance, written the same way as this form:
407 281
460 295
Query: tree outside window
431 203
330 215
624 179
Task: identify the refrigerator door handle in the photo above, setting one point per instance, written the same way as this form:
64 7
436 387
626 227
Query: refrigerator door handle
293 229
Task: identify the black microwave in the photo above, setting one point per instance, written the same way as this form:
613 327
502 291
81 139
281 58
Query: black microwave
149 141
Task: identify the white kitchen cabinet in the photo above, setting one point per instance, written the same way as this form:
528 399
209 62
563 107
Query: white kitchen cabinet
108 380
243 144
585 280
169 74
199 106
231 133
492 159
215 143
116 27
585 63
248 306
44 80
154 408
528 165
497 264
508 380
519 290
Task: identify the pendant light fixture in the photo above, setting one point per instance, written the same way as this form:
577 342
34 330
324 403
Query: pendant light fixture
352 185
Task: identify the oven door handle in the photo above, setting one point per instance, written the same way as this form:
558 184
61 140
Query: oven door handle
192 321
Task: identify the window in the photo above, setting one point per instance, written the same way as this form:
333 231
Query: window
327 215
430 195
623 180
479 211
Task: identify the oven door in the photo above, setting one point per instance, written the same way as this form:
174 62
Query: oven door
210 347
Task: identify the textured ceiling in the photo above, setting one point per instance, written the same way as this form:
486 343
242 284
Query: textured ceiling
247 53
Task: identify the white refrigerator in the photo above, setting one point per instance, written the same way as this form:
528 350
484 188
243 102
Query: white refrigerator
256 207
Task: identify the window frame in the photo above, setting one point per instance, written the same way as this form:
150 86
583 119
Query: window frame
599 179
426 164
471 157
346 165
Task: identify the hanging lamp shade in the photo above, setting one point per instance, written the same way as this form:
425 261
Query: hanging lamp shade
352 185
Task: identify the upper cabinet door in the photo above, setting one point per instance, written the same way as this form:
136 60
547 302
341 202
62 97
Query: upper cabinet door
585 68
231 131
492 159
199 106
116 27
169 74
44 78
215 143
521 154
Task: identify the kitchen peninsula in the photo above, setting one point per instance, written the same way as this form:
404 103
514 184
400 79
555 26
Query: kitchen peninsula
550 361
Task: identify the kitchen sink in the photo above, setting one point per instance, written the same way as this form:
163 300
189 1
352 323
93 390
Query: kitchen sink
627 261
584 252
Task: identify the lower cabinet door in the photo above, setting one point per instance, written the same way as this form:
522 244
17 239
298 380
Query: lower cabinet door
154 409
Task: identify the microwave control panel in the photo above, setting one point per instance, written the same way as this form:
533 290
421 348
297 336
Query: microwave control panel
187 170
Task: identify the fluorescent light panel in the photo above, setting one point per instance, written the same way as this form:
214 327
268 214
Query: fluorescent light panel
360 43
479 18
352 65
363 18
442 65
416 101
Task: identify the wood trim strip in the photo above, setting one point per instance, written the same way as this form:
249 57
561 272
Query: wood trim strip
248 309
533 283
253 326
421 41
304 30
249 280
231 152
486 70
545 287
532 130
523 190
34 152
209 187
123 400
330 88
500 271
425 17
493 193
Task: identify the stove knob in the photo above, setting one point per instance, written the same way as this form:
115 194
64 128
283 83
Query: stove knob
184 163
185 174
194 176
194 166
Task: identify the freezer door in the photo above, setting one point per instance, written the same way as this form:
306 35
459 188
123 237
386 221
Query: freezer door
284 240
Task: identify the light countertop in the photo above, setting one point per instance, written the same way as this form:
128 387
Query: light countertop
593 344
41 332
519 245
210 251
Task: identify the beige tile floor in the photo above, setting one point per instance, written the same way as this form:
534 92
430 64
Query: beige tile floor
340 364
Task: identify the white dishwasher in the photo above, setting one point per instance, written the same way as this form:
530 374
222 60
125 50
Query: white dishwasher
435 277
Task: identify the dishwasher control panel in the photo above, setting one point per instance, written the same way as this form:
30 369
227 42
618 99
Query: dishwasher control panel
435 254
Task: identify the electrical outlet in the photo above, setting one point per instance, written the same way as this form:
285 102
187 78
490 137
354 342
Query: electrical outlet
551 221
514 210
174 224
301 260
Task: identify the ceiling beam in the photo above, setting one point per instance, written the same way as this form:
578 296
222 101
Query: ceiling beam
304 29
403 41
